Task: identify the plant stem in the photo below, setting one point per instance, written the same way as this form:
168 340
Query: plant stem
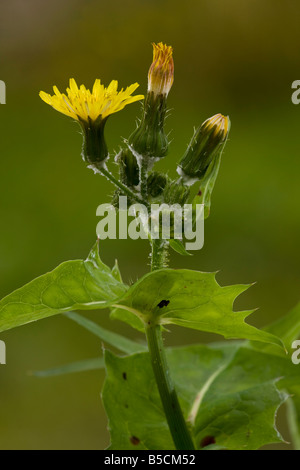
143 167
122 186
168 395
166 388
159 254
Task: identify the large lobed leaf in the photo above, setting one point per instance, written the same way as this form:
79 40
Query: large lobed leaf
287 328
187 298
192 299
78 284
229 394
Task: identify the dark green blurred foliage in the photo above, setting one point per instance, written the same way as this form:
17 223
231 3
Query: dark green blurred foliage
236 57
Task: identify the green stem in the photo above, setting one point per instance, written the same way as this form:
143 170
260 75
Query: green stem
177 424
122 186
159 254
168 395
143 167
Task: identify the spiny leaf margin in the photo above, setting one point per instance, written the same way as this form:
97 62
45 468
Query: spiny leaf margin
192 299
78 284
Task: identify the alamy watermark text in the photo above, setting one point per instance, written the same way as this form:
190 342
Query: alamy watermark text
2 352
162 221
2 92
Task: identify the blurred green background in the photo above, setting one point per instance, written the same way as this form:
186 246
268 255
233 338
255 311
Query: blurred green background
237 57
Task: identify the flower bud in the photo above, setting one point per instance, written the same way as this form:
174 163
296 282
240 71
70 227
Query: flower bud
129 175
149 140
176 193
161 72
206 144
129 169
156 183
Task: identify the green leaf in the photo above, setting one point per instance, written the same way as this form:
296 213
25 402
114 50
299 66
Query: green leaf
127 317
239 408
116 272
118 341
287 328
132 403
192 299
207 185
73 285
178 246
241 420
228 395
80 366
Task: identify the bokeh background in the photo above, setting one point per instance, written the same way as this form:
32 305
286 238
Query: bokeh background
237 57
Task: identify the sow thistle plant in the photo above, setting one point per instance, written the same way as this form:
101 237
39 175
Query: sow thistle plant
223 395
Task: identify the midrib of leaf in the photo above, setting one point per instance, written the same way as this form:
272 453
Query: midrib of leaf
202 392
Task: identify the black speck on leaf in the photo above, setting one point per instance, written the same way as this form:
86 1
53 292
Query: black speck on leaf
163 303
124 375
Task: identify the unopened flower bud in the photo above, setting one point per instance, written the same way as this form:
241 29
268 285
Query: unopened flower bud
129 169
206 144
161 72
176 193
149 140
156 183
129 174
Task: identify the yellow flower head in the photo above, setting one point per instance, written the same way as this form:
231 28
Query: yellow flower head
161 72
83 105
